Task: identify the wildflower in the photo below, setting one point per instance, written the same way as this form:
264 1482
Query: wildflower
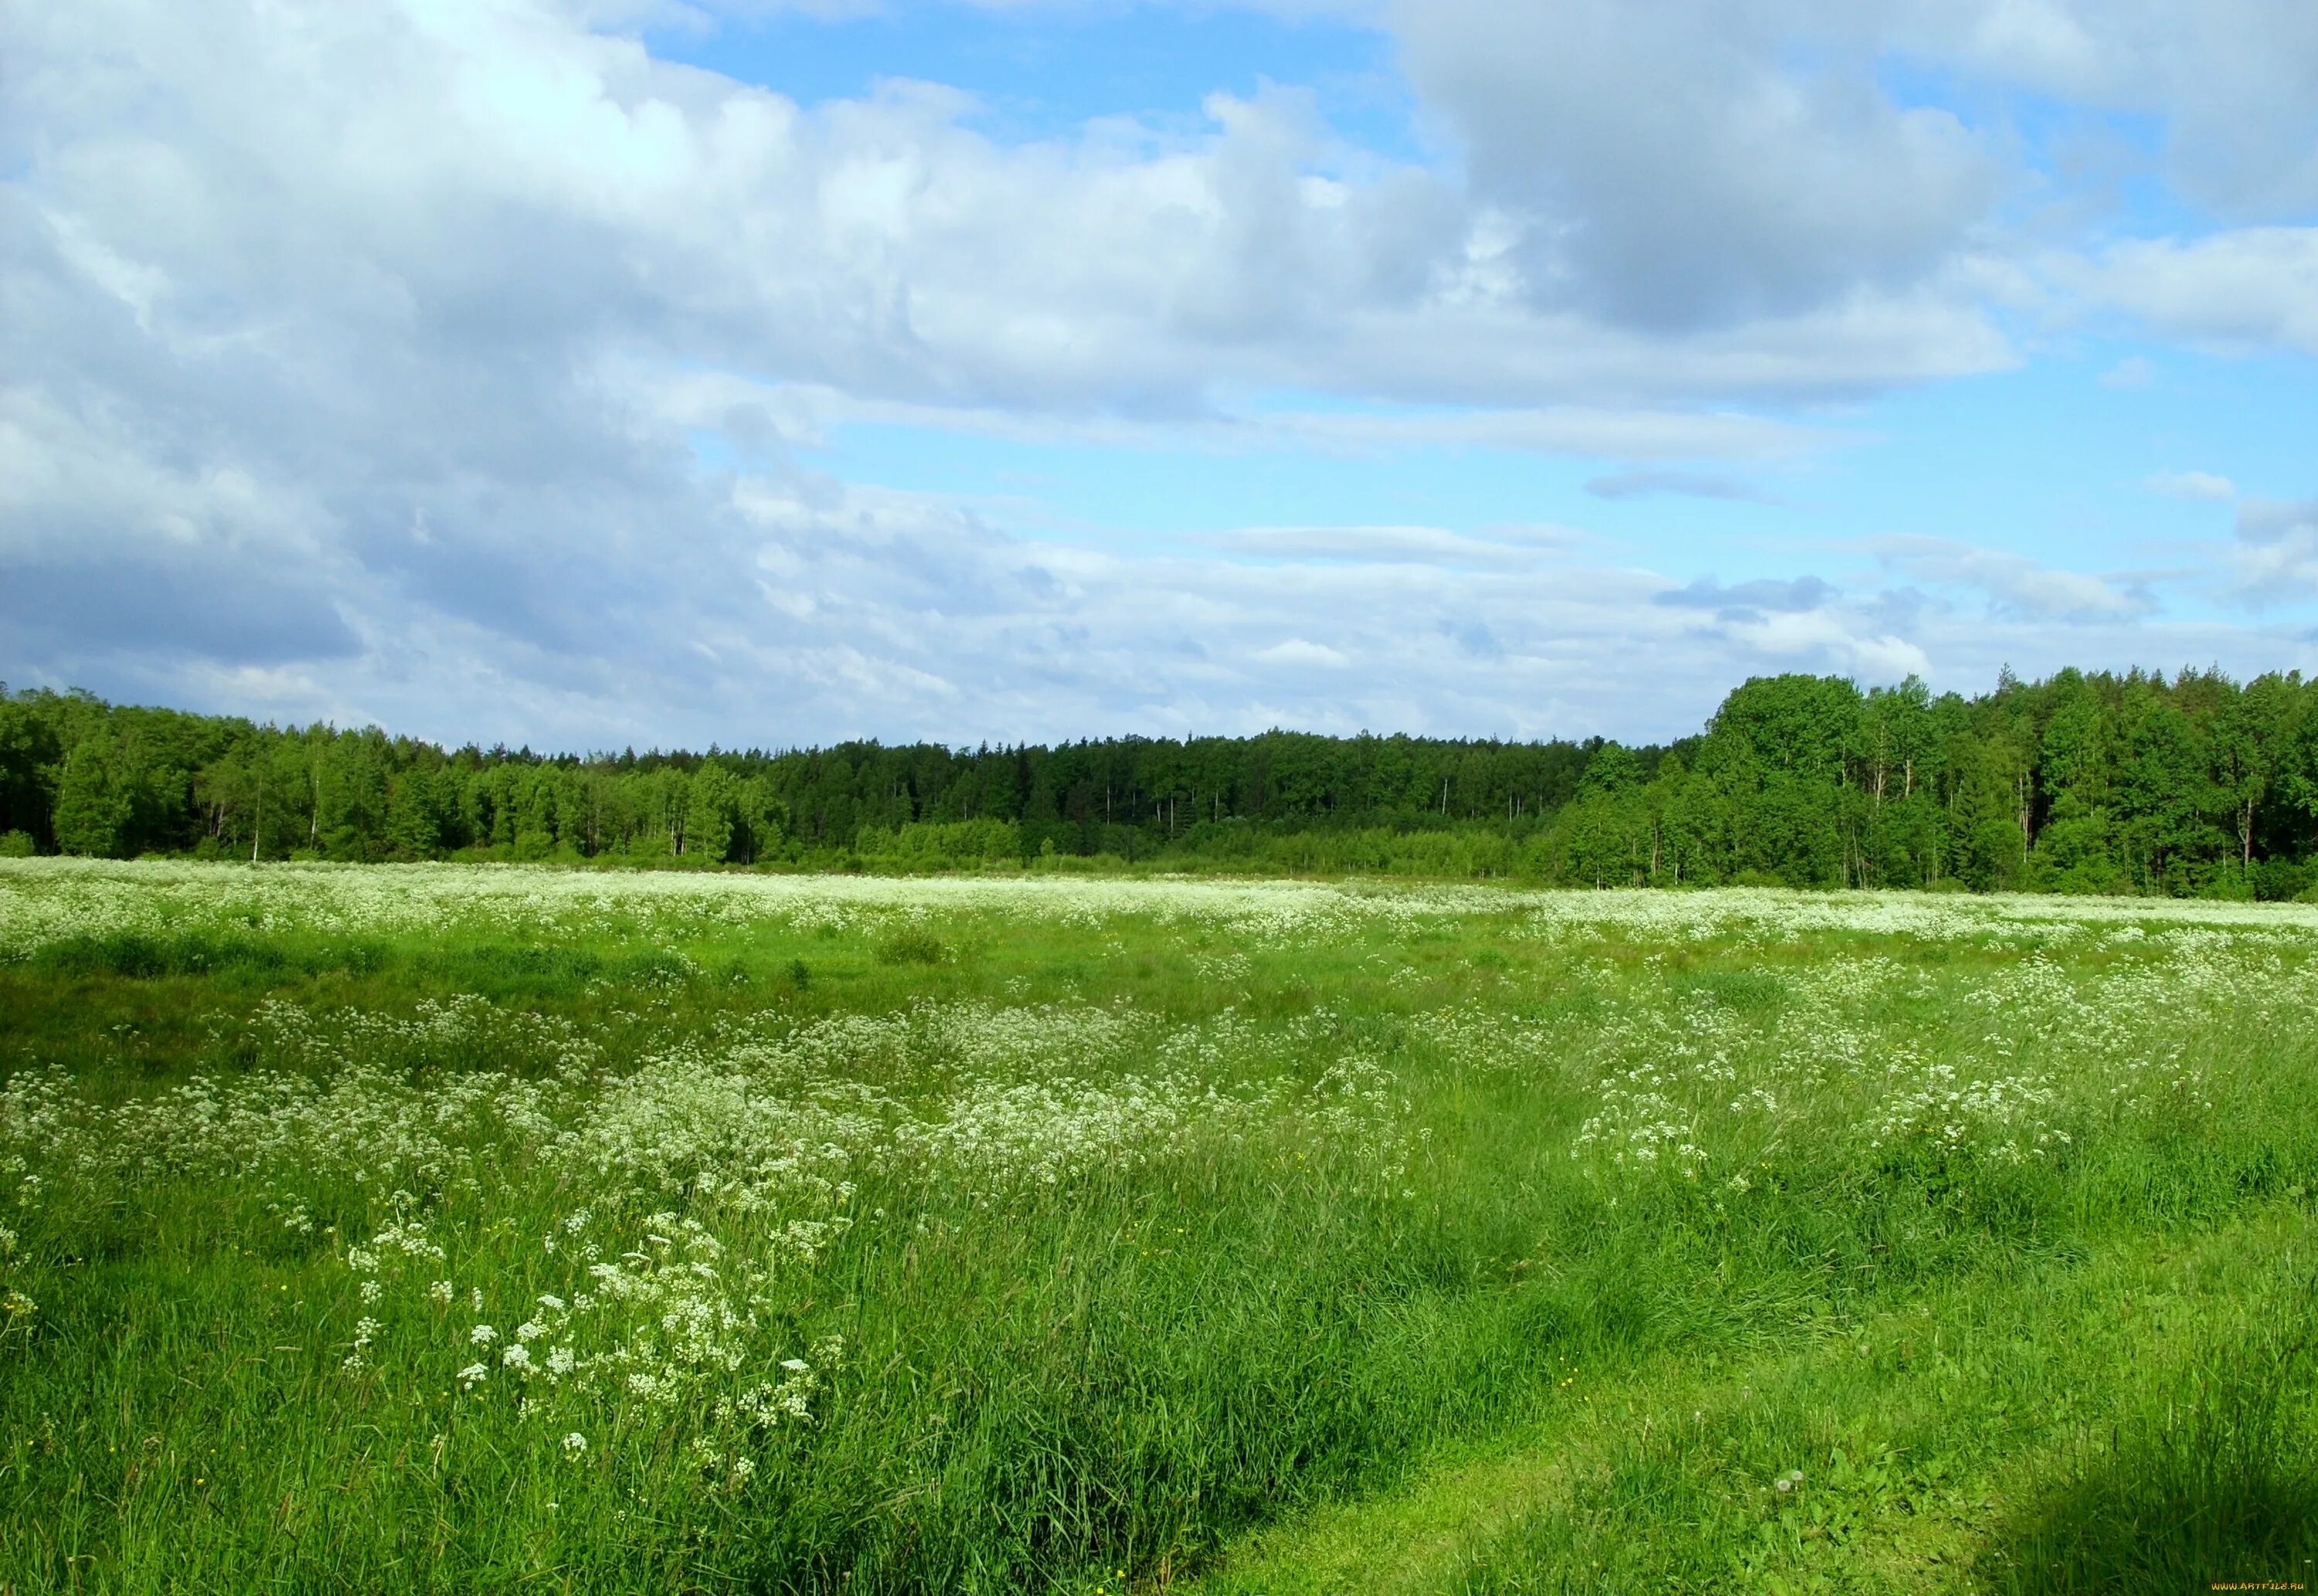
473 1375
574 1444
440 1293
517 1357
483 1335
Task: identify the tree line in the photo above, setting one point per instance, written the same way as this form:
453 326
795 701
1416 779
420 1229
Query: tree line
2084 782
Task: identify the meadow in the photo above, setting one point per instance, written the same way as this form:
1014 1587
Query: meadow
458 1228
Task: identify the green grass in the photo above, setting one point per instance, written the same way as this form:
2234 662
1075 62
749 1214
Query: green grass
1098 1236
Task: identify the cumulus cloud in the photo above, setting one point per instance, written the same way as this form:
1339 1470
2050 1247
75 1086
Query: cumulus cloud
1672 167
1685 167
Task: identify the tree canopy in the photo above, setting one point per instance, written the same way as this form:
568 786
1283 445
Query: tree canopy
2133 782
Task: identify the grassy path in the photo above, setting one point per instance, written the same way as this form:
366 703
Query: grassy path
1967 1441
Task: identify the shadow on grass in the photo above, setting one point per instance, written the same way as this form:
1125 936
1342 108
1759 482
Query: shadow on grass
2212 1485
137 955
492 970
2129 1532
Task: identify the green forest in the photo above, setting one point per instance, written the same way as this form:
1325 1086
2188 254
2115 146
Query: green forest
2192 784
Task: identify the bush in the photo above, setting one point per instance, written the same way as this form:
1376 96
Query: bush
911 944
2280 881
943 845
17 845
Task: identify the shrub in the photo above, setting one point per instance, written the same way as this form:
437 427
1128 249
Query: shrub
911 944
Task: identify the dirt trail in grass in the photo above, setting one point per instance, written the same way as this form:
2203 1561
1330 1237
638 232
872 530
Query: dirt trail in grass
1925 1436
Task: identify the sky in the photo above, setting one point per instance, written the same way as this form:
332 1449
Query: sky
624 372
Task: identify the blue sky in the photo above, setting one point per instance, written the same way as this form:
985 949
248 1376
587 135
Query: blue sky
1044 73
585 373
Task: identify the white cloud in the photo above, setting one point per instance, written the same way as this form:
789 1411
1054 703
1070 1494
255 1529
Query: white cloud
2014 584
2276 554
2254 287
1298 651
1689 484
2234 82
2192 485
1505 548
804 414
1825 640
1748 600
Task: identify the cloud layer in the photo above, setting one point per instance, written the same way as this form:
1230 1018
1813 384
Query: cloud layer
467 366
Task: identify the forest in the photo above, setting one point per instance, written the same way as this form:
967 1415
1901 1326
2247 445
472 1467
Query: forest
2189 785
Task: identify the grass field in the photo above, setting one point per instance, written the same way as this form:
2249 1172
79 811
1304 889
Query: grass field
457 1229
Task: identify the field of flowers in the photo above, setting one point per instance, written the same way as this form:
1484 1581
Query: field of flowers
458 1228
